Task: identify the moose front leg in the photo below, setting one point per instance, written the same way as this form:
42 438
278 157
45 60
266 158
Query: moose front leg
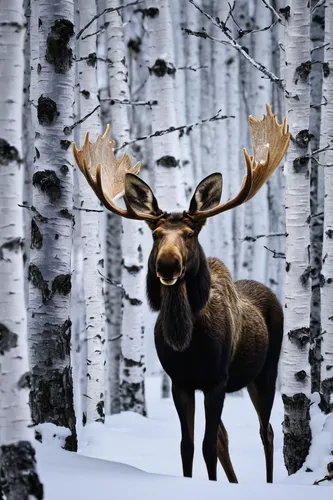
185 406
213 408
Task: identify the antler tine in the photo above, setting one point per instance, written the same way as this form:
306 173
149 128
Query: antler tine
270 142
106 174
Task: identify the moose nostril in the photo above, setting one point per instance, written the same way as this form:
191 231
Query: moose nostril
168 267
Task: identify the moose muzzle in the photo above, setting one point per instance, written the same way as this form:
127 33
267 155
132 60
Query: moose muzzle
169 268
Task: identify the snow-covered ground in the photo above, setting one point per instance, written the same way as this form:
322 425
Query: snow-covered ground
140 456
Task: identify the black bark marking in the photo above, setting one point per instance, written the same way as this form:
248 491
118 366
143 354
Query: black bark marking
303 71
85 93
47 112
24 381
100 411
13 245
135 44
132 300
8 339
64 169
299 336
327 390
36 237
300 164
296 430
329 233
133 270
49 183
92 59
168 162
303 138
300 376
51 396
326 69
305 276
62 284
150 12
64 212
162 68
8 153
36 278
18 475
57 51
64 144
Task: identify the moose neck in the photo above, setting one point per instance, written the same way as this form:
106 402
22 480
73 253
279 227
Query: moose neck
178 304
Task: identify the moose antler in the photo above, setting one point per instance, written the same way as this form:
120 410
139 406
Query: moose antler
106 174
270 141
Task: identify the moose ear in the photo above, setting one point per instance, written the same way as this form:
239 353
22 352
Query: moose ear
139 196
207 194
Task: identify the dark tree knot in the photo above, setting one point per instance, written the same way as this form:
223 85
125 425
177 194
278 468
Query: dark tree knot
57 51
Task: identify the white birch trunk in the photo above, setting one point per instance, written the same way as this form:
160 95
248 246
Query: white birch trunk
132 391
49 322
166 153
93 397
327 269
260 95
296 382
18 476
316 189
192 80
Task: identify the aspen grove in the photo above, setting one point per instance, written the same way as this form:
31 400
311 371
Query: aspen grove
114 116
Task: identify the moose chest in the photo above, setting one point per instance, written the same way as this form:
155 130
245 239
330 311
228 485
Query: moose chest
202 365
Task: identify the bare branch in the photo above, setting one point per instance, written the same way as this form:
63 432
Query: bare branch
113 101
221 25
111 282
318 4
271 8
320 47
105 11
182 128
255 238
276 255
193 68
88 210
68 129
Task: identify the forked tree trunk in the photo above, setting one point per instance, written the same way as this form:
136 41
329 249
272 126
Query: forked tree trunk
93 397
49 322
18 475
327 269
296 381
132 387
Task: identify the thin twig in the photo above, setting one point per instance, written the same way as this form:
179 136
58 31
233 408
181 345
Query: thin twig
113 101
88 210
276 255
320 47
111 282
193 68
100 30
271 8
68 129
255 238
105 11
318 4
219 24
186 128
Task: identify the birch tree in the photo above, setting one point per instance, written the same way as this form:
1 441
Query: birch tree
49 322
18 475
93 397
132 388
296 383
327 269
316 192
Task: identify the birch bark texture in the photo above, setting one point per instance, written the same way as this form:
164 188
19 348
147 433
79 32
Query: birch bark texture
161 85
132 387
327 263
49 322
93 397
296 381
18 474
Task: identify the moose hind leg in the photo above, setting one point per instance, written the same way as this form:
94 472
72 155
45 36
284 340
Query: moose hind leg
262 391
223 453
185 406
213 408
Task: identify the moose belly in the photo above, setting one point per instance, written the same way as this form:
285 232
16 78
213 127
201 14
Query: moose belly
201 366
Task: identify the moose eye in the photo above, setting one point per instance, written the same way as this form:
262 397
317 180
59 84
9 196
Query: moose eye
155 236
190 235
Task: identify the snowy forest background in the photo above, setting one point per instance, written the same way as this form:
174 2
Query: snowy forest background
176 81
